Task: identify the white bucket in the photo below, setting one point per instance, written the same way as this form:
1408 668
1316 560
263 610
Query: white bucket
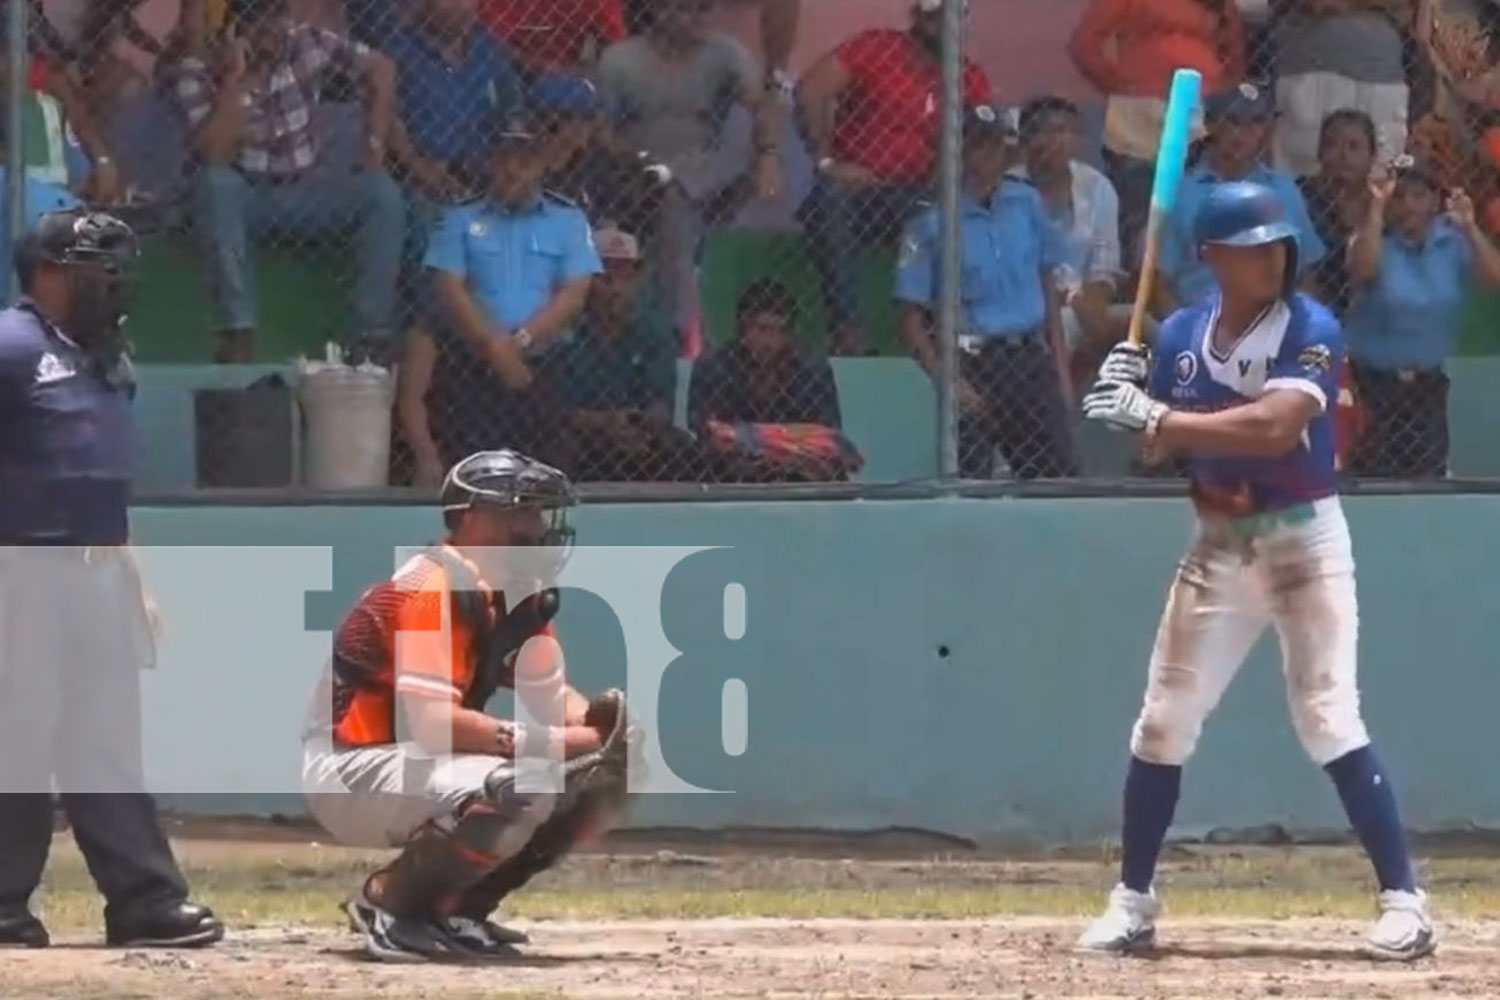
346 426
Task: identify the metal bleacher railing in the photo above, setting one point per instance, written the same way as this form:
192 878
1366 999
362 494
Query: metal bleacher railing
621 238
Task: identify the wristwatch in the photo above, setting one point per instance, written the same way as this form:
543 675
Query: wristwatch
826 164
523 339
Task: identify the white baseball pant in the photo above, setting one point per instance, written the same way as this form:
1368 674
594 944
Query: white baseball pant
1298 577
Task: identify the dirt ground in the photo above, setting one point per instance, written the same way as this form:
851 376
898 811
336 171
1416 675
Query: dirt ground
733 922
1014 957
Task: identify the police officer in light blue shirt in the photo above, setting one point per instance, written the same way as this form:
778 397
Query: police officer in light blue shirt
510 274
1239 123
1412 269
1013 363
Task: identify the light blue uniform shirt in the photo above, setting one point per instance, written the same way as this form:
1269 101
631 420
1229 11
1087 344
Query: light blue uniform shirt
514 261
1005 247
41 197
1191 278
1408 318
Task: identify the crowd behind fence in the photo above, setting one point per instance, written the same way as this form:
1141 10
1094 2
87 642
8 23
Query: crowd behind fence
540 213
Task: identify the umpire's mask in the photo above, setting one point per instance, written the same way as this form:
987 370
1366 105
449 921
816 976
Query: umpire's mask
97 253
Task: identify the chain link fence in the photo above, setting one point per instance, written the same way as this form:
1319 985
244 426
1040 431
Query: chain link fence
608 233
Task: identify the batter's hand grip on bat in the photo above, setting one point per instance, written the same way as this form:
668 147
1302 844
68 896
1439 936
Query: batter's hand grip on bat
1171 160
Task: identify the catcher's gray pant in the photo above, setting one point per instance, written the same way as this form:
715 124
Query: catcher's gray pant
378 796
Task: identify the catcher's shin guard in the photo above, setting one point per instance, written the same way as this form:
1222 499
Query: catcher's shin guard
595 795
438 865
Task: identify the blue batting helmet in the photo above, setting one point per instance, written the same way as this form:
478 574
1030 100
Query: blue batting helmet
1242 214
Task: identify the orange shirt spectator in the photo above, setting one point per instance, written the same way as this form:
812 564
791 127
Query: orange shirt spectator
1151 38
556 34
1129 50
888 119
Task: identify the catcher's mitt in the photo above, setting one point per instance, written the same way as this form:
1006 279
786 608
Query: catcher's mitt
594 794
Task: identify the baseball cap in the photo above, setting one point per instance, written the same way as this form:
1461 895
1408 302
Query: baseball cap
985 121
1247 102
616 244
563 93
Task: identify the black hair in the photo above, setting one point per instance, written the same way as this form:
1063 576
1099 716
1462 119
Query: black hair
1034 110
766 296
1347 116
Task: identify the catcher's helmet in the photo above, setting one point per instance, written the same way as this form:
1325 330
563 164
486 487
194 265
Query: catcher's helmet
505 478
509 479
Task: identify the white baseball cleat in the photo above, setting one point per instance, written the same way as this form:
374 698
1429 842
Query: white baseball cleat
1404 931
1127 925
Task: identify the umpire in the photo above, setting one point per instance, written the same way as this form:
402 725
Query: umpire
1013 365
74 624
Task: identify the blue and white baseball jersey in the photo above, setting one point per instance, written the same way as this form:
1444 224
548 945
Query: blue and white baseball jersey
1295 344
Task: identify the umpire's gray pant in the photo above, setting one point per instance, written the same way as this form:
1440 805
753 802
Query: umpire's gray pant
73 638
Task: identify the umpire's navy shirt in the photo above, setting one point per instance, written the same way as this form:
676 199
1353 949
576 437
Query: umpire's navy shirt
68 447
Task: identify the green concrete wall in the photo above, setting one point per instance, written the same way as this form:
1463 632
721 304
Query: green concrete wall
970 666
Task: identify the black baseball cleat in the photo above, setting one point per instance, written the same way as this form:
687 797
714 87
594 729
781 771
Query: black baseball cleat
174 925
483 938
389 938
19 928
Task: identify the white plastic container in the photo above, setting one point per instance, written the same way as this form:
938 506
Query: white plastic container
346 424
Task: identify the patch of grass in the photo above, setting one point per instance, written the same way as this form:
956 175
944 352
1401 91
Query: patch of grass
260 884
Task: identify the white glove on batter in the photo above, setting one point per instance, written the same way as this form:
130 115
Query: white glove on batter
1126 362
1122 406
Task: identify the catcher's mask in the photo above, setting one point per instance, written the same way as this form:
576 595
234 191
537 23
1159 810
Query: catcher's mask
509 480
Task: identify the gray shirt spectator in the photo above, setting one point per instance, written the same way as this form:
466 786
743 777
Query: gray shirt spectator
1333 54
671 91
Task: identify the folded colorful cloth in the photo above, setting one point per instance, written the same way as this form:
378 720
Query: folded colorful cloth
787 441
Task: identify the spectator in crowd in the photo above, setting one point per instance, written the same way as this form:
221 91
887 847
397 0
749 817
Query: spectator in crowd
1129 49
510 276
1239 124
1412 269
671 92
589 164
1014 379
1082 203
778 35
1333 54
1338 197
454 81
41 197
566 35
257 146
768 413
64 144
618 378
869 113
1458 135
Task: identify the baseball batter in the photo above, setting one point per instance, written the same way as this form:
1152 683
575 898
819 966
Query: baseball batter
1242 382
400 750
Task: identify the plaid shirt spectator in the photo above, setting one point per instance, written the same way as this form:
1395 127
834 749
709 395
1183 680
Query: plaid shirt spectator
279 140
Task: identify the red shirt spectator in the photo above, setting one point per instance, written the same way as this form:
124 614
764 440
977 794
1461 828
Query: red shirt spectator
555 34
888 120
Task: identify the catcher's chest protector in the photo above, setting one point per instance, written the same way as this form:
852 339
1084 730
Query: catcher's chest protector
498 633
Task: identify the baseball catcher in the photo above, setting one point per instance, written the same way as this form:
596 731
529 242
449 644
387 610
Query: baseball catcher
400 750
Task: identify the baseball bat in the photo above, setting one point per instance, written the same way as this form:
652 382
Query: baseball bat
1171 159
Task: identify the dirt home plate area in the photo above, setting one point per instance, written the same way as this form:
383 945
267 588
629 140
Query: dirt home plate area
639 920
